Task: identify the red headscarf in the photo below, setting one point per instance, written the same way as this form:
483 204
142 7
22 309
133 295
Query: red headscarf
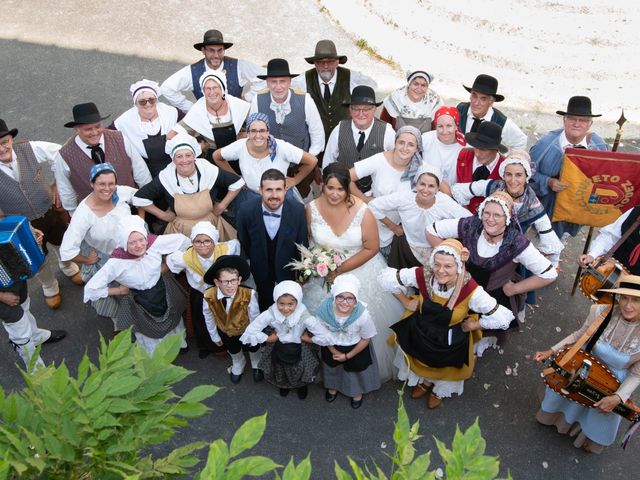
455 114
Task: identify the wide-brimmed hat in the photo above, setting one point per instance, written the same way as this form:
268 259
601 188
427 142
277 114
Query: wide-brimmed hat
277 67
4 130
362 95
486 84
579 106
227 261
489 136
212 37
326 49
629 285
85 114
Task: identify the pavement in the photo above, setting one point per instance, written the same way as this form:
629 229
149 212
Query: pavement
41 81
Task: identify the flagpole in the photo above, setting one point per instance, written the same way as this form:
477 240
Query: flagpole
587 242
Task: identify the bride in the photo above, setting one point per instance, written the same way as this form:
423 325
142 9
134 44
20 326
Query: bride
340 221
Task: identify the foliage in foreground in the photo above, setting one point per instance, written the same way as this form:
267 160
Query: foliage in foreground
97 425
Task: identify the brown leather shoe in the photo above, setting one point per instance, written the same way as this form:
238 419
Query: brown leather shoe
433 401
53 302
420 391
76 279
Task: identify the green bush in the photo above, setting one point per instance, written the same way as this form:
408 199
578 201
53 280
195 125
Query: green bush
95 426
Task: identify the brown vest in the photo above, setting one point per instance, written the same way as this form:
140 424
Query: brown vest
237 320
32 195
80 162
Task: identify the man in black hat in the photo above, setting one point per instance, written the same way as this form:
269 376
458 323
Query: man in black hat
329 84
293 115
483 161
479 108
93 144
360 137
28 189
548 152
213 47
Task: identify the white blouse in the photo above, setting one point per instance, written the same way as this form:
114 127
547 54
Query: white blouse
444 156
252 168
98 232
480 300
362 328
176 264
209 320
530 257
414 218
141 274
289 329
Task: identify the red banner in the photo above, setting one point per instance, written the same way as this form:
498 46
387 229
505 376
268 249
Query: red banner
601 186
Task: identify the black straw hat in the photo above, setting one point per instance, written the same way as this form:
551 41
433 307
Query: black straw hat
85 114
488 136
326 49
212 37
4 130
277 67
578 106
486 84
362 95
227 261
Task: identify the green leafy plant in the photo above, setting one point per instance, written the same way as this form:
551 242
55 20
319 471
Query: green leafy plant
96 425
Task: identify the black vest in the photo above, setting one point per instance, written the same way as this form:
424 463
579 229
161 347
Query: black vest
333 112
497 117
623 253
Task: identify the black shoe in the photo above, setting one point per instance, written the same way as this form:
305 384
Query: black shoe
184 350
355 404
258 375
203 353
235 378
56 336
284 392
330 397
302 392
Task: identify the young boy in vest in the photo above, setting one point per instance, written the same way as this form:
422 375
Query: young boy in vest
195 261
228 309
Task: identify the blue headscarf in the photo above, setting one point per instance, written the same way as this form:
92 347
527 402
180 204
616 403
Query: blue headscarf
271 141
104 167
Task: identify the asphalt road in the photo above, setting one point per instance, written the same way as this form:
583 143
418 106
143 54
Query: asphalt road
39 85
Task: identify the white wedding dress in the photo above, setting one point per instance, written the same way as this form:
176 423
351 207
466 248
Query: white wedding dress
384 308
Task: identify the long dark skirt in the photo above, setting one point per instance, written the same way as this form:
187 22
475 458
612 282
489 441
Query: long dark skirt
400 255
295 375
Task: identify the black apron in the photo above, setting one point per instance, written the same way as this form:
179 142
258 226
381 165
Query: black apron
355 364
157 159
427 337
226 136
153 300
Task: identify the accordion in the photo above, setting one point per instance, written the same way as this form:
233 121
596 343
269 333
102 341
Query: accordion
20 255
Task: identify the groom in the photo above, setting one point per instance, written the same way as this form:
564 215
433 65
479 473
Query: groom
268 230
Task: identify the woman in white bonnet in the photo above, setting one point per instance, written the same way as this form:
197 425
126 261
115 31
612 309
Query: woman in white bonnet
348 363
147 123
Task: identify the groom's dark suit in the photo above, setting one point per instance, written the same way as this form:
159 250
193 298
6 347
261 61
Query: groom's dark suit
268 256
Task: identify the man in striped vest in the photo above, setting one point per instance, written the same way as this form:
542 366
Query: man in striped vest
293 115
93 144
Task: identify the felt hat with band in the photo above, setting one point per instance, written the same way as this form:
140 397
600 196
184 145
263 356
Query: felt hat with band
4 130
579 107
277 67
362 95
85 114
629 285
326 49
212 37
227 261
488 136
486 84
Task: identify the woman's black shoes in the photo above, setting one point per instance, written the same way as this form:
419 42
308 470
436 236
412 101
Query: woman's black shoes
355 404
284 392
330 397
302 392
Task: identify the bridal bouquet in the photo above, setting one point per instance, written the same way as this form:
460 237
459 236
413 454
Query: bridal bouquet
316 262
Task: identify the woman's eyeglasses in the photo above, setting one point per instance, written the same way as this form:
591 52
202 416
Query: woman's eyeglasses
345 299
150 101
202 243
